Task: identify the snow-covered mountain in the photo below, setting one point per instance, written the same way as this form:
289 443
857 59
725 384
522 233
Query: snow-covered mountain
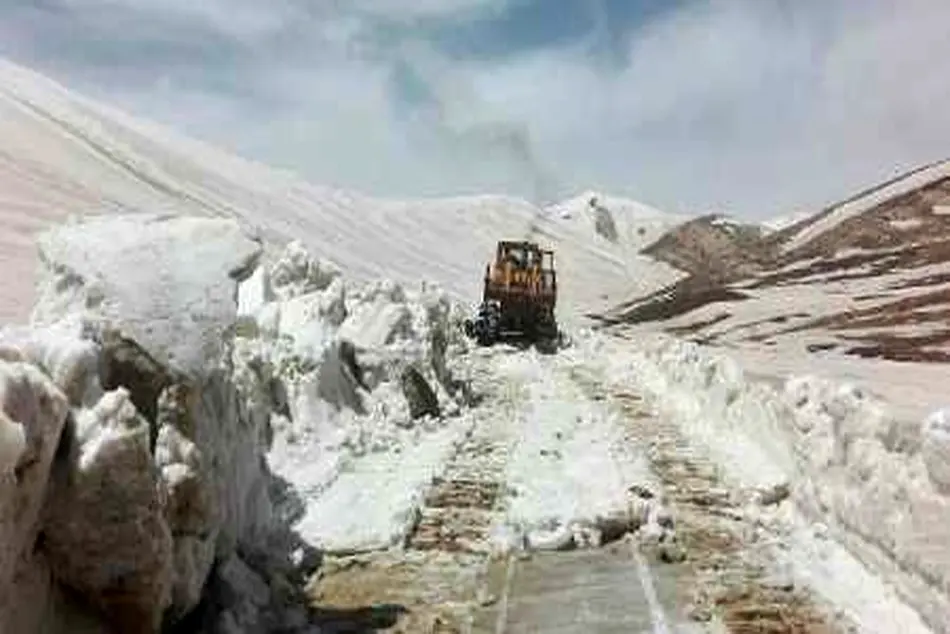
64 154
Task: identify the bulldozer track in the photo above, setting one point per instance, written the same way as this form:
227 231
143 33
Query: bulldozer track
461 507
710 573
729 585
437 575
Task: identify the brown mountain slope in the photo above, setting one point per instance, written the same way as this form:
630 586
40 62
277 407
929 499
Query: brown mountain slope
869 276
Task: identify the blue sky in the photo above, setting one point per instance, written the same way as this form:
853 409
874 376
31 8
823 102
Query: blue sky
754 107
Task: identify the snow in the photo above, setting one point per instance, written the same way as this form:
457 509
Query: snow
692 389
12 444
163 291
906 224
622 208
724 222
362 475
877 478
911 390
777 224
570 466
371 502
347 445
65 154
941 210
856 207
772 313
818 561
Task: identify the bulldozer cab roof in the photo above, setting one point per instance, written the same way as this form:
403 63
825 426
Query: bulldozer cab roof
525 254
508 245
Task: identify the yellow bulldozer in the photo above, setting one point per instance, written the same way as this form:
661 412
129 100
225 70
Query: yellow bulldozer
519 296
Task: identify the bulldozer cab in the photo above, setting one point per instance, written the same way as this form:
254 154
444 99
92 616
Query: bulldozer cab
522 268
519 255
519 295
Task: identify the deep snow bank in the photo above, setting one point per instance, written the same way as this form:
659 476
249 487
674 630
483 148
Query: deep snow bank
372 410
178 406
143 482
29 400
849 462
12 444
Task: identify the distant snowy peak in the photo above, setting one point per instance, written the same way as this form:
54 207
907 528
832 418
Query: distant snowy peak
590 200
620 221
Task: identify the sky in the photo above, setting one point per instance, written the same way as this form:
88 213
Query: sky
749 107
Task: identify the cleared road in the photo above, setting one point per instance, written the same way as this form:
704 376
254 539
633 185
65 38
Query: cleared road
610 591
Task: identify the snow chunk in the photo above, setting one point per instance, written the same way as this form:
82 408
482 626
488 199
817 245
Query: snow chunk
112 517
378 324
297 273
254 293
32 418
71 361
169 283
311 320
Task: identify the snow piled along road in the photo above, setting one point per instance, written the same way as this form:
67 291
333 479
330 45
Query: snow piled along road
365 477
820 470
859 477
385 427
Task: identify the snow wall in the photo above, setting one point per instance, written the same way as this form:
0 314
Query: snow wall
172 378
881 485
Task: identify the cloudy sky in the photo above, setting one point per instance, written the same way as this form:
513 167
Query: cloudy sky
755 107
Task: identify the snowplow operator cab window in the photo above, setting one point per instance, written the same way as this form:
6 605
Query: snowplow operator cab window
516 257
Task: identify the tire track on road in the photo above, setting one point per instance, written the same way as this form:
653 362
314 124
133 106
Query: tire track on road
582 588
730 584
436 577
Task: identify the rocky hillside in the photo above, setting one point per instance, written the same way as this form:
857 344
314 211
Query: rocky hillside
869 276
715 247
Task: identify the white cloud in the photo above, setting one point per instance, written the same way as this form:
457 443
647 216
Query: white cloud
761 107
244 19
409 10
